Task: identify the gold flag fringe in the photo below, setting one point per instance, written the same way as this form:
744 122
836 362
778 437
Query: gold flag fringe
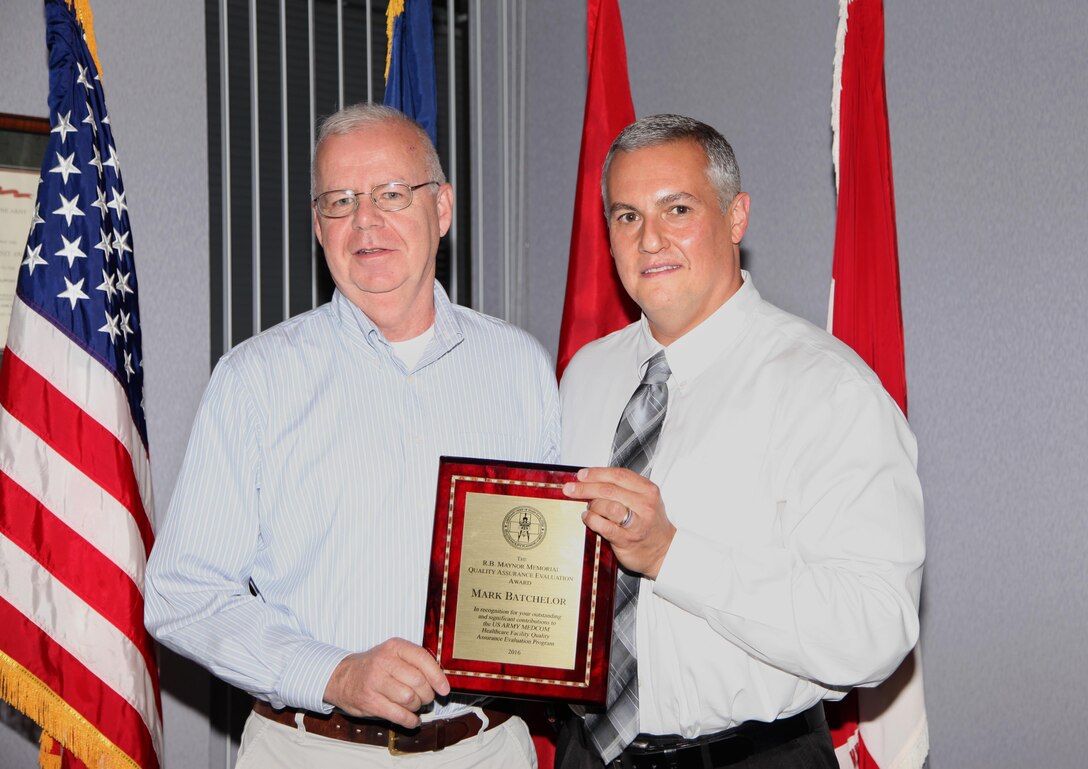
395 8
59 720
47 759
86 20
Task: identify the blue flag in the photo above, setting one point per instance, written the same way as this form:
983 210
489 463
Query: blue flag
410 80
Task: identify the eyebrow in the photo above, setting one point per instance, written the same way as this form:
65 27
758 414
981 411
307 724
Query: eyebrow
674 197
615 208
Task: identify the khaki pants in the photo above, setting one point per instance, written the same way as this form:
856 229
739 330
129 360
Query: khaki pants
268 745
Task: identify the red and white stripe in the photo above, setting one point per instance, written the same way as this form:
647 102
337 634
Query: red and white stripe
75 532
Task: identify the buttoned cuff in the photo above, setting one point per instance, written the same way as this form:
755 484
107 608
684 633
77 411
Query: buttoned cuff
683 567
307 674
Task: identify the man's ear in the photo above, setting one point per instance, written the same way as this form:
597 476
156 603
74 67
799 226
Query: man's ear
739 218
317 223
444 201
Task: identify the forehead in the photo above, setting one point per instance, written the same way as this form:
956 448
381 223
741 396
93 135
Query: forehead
660 168
380 153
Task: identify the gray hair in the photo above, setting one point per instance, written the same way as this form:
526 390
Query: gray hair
364 115
721 164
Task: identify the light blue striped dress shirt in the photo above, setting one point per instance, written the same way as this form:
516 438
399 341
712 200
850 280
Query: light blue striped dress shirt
311 471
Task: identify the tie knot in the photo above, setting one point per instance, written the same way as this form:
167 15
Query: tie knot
657 370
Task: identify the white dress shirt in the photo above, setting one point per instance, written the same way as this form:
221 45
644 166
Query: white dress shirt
311 471
790 476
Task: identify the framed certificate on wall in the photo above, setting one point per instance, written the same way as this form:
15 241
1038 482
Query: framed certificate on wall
22 147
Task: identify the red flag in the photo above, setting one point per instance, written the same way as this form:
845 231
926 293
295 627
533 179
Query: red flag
866 308
75 480
596 303
885 727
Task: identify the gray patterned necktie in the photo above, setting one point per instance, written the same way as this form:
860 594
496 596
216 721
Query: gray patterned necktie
633 448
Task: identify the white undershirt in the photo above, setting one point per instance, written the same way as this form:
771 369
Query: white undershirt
411 350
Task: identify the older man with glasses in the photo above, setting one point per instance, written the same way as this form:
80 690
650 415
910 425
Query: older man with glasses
293 560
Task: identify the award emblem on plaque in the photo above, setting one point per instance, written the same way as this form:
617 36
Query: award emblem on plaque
524 527
519 599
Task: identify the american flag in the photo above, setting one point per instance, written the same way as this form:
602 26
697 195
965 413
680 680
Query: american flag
75 480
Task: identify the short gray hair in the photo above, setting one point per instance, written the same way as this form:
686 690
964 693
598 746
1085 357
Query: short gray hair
721 164
363 115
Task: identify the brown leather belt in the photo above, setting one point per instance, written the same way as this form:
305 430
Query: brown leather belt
431 736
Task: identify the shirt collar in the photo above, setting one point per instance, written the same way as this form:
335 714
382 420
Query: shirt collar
447 327
689 355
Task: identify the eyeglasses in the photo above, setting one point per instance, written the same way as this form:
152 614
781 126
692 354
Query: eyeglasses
392 196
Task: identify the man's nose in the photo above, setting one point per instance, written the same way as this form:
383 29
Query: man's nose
652 237
367 213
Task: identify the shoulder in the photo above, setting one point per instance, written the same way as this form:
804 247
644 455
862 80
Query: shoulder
296 333
294 351
591 372
496 337
806 352
602 354
823 387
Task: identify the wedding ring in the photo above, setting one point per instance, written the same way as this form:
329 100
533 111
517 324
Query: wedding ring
627 519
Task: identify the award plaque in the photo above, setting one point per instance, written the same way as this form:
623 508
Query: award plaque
519 602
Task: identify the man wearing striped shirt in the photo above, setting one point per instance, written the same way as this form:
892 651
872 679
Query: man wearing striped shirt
293 559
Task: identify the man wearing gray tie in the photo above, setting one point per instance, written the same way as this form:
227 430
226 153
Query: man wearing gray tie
756 483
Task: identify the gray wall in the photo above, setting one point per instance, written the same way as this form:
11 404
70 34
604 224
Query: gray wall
987 103
152 57
988 106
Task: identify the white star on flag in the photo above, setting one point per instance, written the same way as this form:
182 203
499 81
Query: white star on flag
73 293
82 79
114 162
89 120
96 161
120 244
69 208
65 166
118 202
107 286
64 126
111 327
101 203
104 244
71 250
126 328
33 258
121 282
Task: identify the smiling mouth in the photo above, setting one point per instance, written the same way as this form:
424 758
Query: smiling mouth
660 269
370 251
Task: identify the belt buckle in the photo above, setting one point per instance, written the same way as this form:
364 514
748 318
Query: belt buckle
391 744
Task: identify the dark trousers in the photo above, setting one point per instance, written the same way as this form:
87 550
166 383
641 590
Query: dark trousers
808 751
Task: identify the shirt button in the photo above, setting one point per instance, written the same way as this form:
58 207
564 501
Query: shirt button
411 379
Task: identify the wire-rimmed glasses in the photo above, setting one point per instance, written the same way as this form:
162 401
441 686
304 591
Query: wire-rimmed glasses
388 197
